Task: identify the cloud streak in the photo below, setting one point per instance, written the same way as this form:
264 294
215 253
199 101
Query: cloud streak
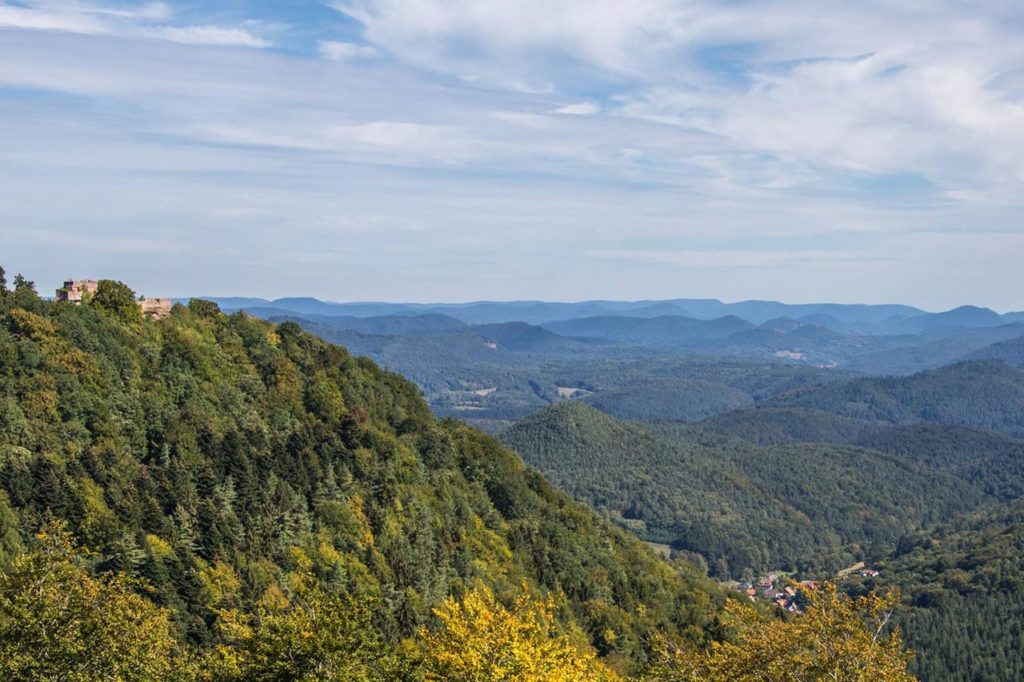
146 21
743 259
338 51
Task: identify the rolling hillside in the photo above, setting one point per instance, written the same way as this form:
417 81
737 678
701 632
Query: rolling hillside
741 507
1010 351
987 394
778 425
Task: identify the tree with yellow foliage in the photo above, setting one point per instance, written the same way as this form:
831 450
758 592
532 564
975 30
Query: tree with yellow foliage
59 623
306 634
481 640
837 639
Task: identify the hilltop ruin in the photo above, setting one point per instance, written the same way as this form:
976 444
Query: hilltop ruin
78 291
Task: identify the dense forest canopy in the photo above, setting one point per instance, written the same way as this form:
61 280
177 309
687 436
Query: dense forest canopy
743 508
964 585
214 456
986 394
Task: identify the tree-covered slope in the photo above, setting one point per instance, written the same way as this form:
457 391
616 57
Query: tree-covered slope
1010 351
212 456
660 491
964 588
743 508
777 425
990 461
987 395
669 398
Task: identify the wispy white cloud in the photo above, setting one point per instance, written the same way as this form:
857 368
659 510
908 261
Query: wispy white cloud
146 21
733 258
206 35
154 11
342 51
885 88
392 142
579 109
12 16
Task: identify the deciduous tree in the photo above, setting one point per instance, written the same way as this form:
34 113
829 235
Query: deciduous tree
57 622
838 639
118 299
482 640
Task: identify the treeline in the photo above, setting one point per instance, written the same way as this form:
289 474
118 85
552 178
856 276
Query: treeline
986 394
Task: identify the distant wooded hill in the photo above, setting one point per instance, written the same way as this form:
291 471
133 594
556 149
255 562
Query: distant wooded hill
896 317
983 394
746 508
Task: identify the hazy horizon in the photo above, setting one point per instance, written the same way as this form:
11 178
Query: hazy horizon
44 290
44 287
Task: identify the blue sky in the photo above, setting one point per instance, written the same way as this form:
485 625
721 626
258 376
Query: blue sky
453 150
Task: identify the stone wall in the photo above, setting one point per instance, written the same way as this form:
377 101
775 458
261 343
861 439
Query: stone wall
77 290
157 308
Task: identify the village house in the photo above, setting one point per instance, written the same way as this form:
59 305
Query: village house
778 590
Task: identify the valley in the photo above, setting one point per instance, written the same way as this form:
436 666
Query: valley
509 341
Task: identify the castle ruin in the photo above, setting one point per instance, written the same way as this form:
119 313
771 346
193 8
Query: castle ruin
156 308
78 291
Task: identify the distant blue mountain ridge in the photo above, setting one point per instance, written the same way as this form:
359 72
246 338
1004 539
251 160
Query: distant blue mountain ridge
857 318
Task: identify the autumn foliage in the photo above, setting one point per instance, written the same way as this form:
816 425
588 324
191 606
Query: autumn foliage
481 640
838 639
59 623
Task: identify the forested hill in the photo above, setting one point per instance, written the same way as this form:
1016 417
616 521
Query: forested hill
985 394
214 456
743 508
